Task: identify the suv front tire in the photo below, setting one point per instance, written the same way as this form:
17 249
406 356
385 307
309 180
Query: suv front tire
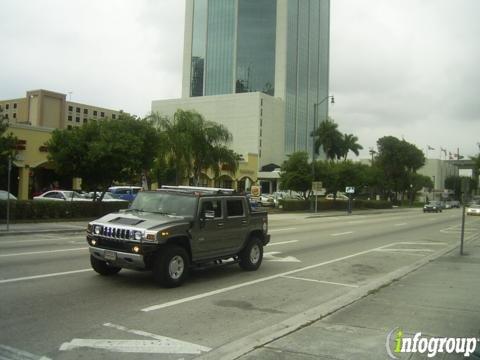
170 268
252 255
102 267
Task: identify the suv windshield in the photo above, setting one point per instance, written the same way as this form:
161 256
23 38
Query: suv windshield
165 203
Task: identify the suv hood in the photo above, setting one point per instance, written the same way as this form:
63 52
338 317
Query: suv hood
140 220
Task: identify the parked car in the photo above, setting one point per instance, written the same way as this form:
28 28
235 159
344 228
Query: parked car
170 230
4 195
61 195
267 200
450 204
340 196
432 206
473 209
107 197
124 192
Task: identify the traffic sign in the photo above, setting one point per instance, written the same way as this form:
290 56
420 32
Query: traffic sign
317 186
350 190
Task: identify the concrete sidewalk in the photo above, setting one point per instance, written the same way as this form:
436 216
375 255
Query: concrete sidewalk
440 299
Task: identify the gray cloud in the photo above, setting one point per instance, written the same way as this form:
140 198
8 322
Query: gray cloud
406 68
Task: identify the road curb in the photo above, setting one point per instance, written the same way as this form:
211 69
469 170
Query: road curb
243 346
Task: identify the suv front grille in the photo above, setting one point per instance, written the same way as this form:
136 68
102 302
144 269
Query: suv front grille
117 233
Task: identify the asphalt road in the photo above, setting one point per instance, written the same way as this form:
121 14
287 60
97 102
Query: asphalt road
52 305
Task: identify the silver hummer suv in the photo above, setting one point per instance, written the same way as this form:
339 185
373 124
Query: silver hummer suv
173 229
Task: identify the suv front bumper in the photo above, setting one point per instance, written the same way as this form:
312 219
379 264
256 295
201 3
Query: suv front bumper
121 259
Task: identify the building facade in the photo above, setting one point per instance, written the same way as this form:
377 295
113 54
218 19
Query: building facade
31 120
49 109
276 48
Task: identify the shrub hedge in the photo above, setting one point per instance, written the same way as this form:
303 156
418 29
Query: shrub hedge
44 210
298 205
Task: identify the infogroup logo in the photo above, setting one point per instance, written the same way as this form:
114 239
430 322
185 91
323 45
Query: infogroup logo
398 343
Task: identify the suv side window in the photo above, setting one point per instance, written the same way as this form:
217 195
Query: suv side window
235 208
212 205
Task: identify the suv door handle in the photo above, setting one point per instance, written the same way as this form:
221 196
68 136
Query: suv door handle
244 222
220 224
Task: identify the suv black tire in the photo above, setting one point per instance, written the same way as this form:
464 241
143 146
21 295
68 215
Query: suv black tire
102 267
170 267
252 255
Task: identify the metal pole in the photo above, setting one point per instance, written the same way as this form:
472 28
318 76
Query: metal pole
313 150
463 230
8 191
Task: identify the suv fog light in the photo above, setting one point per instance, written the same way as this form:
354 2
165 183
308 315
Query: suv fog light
93 242
136 249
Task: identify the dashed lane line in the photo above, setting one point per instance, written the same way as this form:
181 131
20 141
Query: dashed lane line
343 233
43 276
282 242
319 281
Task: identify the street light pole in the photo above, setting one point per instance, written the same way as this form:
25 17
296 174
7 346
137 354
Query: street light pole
9 170
315 110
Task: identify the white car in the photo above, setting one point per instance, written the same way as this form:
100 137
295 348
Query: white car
61 195
4 194
473 209
108 197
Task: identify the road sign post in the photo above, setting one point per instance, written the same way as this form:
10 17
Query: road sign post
316 188
350 190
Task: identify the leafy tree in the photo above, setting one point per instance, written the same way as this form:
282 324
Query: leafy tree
350 143
327 137
195 145
416 183
103 152
296 173
398 159
7 146
337 176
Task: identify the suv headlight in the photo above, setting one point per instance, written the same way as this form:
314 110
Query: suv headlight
137 235
97 229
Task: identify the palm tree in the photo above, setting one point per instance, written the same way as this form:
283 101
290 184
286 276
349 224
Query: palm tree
195 145
329 138
350 143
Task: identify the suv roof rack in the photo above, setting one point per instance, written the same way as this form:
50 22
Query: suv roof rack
201 189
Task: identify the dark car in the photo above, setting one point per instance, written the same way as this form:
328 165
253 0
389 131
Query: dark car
171 230
433 206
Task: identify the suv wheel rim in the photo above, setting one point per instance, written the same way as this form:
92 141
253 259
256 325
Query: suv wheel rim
176 267
254 254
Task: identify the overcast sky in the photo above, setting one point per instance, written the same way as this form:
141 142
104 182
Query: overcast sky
406 68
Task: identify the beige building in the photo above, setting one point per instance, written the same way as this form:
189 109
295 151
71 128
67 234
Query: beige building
49 109
32 120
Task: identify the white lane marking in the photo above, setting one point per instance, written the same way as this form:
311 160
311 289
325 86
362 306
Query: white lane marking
282 242
436 243
166 340
401 224
285 229
8 352
343 233
271 256
407 250
43 252
320 281
167 346
252 282
43 276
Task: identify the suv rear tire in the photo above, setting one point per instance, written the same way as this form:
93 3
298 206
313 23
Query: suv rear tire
102 267
252 255
170 268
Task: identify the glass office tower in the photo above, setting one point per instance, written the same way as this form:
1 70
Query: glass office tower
278 47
